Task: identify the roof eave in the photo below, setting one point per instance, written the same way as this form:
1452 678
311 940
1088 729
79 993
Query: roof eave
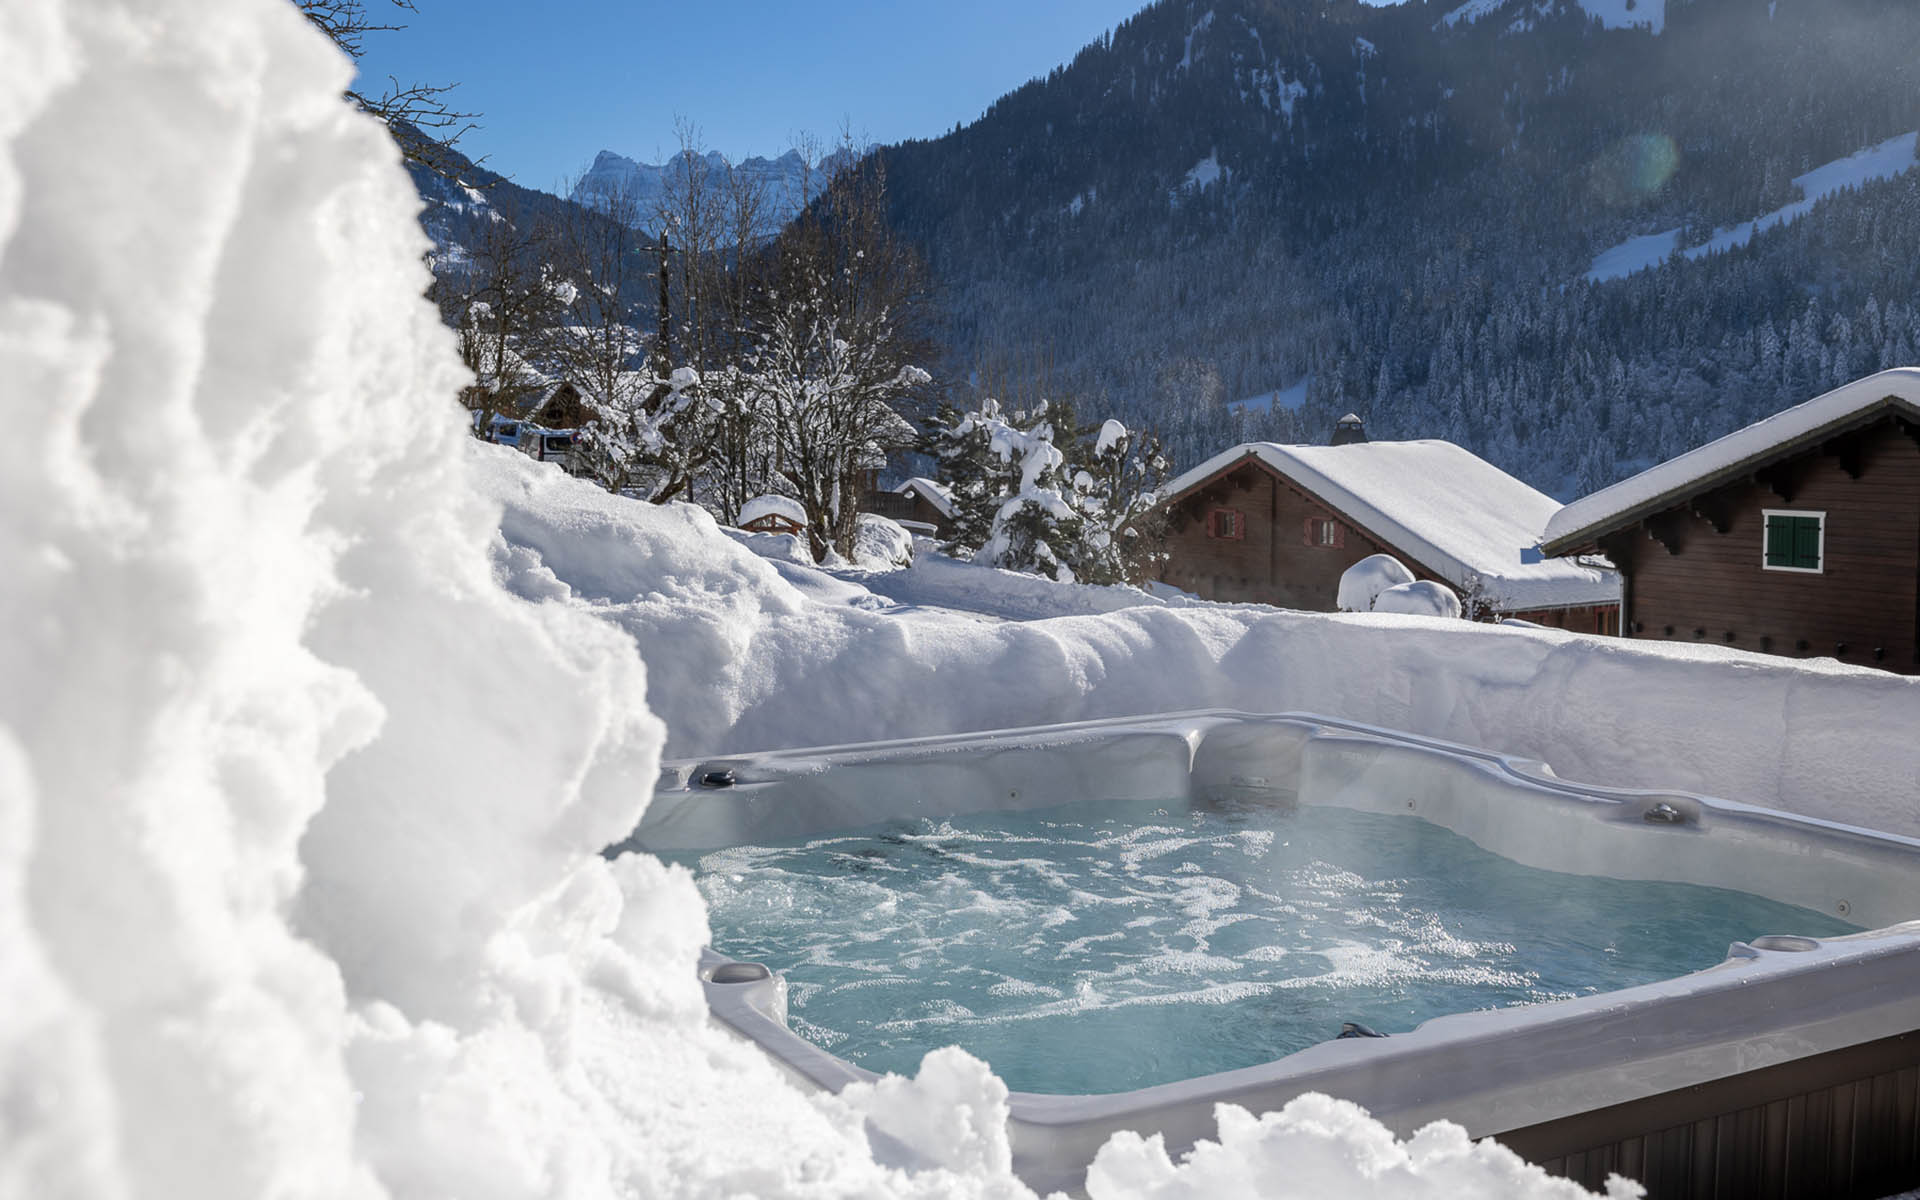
1588 535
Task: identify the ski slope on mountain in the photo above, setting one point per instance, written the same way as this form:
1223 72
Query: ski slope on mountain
1888 159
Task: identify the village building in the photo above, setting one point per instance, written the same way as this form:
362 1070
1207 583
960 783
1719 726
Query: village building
773 514
1274 524
920 505
1798 535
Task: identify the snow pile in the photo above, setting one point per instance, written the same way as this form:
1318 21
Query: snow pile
300 892
1366 579
1316 1148
1421 598
879 542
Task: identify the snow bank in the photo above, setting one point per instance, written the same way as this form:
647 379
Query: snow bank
1421 598
741 660
1362 582
300 892
1316 1148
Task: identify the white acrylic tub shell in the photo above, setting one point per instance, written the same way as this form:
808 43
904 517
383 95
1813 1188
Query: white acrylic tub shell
1772 1001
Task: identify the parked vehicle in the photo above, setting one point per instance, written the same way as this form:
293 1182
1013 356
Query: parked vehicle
499 428
549 445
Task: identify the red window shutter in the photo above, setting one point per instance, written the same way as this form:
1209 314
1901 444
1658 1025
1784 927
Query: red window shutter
1307 533
1339 535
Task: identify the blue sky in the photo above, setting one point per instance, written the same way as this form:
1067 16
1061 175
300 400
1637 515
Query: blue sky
556 82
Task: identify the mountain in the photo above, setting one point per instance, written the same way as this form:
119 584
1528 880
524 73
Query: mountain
1399 210
784 182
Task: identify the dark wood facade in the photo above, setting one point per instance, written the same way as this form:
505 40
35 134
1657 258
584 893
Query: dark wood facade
907 506
1694 569
1283 546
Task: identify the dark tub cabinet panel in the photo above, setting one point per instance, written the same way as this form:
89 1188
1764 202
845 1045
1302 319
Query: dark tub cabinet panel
1842 1124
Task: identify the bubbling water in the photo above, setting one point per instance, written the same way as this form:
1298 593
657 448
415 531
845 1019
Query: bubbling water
1099 947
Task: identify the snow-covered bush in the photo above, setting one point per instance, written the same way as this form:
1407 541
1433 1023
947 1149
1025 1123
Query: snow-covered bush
1421 598
881 543
1366 579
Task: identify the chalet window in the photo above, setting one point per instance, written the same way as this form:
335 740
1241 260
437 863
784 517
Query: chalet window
1321 531
1226 523
1795 541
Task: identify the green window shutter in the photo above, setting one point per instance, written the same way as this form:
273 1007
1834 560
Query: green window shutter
1806 542
1779 541
1793 542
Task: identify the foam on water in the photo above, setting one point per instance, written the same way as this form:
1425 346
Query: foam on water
1105 946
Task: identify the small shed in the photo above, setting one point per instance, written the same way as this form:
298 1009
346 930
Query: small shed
1277 524
773 514
1797 535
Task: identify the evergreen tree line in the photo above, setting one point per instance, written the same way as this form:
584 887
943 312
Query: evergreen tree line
1405 215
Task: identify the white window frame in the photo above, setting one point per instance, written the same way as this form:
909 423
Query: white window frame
1819 515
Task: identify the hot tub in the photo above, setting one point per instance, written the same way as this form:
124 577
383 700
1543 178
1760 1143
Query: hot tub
1794 1064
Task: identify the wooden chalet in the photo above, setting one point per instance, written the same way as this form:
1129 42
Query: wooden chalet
559 406
920 505
1798 535
1275 524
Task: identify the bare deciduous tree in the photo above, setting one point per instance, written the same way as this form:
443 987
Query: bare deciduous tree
419 116
837 339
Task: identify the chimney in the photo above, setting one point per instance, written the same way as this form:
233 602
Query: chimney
1346 430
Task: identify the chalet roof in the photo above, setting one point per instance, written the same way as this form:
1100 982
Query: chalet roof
1439 505
933 492
1706 467
773 506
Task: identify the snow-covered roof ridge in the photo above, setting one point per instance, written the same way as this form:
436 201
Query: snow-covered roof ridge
1451 511
1707 466
936 493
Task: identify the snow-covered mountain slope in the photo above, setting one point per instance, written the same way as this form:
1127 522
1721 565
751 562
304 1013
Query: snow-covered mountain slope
1520 15
1888 159
1223 195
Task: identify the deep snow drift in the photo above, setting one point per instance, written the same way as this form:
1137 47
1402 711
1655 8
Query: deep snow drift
748 654
300 812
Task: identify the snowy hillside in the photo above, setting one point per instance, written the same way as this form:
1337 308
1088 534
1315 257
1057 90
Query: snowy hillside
1889 159
1399 202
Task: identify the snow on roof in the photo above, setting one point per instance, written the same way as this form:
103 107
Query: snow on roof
1706 466
935 493
773 506
1443 507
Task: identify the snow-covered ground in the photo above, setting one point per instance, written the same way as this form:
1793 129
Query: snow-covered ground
1895 156
301 809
